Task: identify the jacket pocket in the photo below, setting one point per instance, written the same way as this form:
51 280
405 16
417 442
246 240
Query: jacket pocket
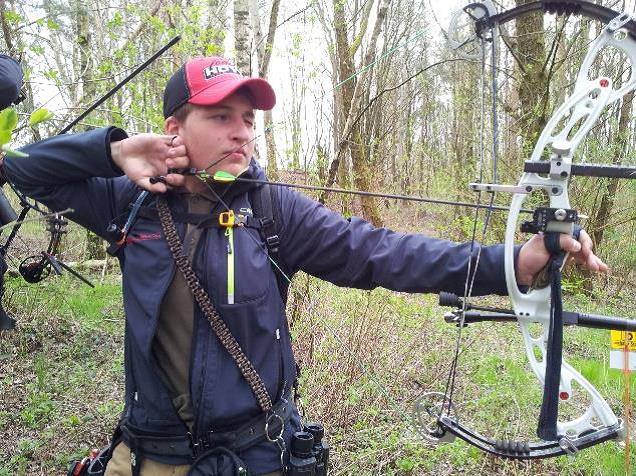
247 267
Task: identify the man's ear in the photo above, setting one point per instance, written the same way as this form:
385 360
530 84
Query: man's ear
171 126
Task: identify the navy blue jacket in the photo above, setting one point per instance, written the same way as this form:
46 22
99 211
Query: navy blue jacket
77 171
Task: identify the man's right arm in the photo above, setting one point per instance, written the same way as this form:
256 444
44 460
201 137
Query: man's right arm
74 171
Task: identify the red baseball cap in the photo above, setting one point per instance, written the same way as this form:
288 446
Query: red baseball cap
208 81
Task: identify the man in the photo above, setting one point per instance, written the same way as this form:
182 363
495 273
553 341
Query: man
185 394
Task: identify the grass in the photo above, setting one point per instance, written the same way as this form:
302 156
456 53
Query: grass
407 347
61 374
366 357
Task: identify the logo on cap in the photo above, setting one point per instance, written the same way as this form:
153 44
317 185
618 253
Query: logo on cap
214 70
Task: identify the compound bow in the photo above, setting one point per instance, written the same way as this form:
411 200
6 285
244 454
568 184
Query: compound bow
548 171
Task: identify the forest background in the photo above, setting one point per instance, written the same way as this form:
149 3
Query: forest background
369 97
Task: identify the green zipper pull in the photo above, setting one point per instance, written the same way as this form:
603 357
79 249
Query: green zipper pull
229 232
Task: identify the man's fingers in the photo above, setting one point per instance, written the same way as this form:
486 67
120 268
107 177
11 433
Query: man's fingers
170 140
178 151
175 180
145 183
177 141
569 244
581 251
595 263
182 161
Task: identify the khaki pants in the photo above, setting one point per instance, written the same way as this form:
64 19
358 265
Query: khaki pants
119 465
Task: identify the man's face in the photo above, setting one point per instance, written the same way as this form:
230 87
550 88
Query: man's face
221 134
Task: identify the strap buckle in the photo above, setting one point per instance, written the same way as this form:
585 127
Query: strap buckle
230 219
227 219
272 240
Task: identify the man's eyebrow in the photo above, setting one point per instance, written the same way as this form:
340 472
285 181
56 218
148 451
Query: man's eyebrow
249 113
216 108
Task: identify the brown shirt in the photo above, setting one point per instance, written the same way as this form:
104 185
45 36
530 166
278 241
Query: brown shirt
173 339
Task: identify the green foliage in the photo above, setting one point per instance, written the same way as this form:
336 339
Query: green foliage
117 21
13 17
296 48
8 120
51 24
8 123
68 335
52 74
39 115
573 284
38 410
38 50
96 306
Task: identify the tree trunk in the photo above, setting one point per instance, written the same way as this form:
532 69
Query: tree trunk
352 94
265 55
607 200
531 51
242 36
95 248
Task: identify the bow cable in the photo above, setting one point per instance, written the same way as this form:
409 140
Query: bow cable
471 271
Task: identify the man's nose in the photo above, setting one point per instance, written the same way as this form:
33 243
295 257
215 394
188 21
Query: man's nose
241 131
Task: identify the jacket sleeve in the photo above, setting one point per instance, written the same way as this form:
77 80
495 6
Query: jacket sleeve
74 171
355 254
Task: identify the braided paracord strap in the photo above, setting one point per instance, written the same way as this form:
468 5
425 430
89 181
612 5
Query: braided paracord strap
205 303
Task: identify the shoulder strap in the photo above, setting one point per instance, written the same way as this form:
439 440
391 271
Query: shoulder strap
267 211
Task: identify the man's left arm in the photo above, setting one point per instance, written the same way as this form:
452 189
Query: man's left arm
353 253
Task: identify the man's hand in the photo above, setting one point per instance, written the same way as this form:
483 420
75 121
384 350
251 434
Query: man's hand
149 155
533 256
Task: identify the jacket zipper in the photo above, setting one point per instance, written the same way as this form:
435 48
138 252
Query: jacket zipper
229 232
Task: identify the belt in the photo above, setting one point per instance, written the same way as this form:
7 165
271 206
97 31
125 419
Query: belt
262 427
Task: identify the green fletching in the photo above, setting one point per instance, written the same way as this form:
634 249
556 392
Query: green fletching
225 177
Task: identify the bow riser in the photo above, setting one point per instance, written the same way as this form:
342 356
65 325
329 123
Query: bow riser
611 36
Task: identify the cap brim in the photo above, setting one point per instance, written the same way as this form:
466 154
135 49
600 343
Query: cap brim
262 94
